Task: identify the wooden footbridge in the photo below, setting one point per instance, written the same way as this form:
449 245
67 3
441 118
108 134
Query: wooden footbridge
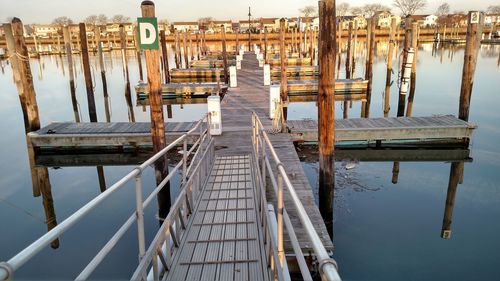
245 210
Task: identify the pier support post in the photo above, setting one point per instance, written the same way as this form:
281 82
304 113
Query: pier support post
390 58
406 47
138 54
267 75
178 62
474 32
348 71
265 46
283 62
164 55
326 108
369 68
87 73
224 55
233 80
186 54
123 46
237 47
103 74
71 70
157 120
413 76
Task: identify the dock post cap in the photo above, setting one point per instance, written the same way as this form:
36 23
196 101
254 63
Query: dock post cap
147 3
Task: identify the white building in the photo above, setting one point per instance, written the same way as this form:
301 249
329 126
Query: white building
430 21
186 25
492 19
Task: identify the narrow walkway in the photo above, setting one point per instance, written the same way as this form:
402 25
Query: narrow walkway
224 239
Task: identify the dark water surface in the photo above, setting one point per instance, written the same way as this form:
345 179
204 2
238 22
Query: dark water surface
381 231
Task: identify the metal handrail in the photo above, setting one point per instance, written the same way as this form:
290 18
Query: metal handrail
327 265
9 267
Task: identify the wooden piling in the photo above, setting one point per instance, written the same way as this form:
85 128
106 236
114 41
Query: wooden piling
157 120
87 73
413 77
224 55
178 62
103 75
237 47
191 49
369 68
348 60
311 44
283 61
123 46
265 46
473 37
71 72
390 58
406 47
186 55
138 54
249 31
197 46
164 56
326 106
300 40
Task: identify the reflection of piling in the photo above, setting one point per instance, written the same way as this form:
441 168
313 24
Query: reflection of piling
164 56
87 73
395 172
157 121
71 70
455 175
390 58
474 31
369 68
413 77
348 65
326 107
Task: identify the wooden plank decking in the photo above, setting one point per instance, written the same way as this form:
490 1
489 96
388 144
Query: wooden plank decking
182 89
224 240
344 88
386 129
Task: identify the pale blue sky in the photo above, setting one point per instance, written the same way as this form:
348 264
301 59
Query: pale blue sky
43 11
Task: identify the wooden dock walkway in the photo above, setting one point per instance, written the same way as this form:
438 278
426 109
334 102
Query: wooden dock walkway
236 139
183 89
224 239
445 127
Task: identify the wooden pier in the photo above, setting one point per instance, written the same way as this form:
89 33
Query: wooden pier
183 89
345 89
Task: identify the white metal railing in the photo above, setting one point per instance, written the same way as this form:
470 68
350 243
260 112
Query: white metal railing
173 225
264 154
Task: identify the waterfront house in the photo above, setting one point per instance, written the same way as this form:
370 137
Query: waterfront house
186 25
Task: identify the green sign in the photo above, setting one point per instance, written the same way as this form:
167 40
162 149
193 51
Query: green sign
148 33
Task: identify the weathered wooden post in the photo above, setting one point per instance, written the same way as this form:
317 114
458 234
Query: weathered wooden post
390 58
455 175
178 62
191 48
123 46
87 73
355 43
71 70
224 55
186 54
237 47
157 120
197 45
164 55
326 106
138 54
265 46
413 77
300 38
406 47
311 44
249 31
369 68
283 63
348 60
473 37
103 75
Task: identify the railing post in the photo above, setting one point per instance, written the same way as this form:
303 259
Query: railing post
140 216
281 252
184 160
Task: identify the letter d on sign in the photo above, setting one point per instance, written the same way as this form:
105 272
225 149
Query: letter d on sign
148 33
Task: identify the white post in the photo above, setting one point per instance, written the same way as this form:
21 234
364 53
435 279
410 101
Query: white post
407 71
213 103
274 99
233 82
267 75
239 58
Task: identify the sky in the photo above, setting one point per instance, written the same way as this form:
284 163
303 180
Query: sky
44 11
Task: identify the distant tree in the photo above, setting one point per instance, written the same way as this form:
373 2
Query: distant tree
443 10
494 9
120 19
357 11
62 21
369 10
206 23
91 20
343 9
409 7
309 11
102 19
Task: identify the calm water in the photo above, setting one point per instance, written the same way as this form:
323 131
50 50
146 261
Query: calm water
381 231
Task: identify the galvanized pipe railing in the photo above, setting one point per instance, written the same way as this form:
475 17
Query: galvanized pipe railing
327 265
8 268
